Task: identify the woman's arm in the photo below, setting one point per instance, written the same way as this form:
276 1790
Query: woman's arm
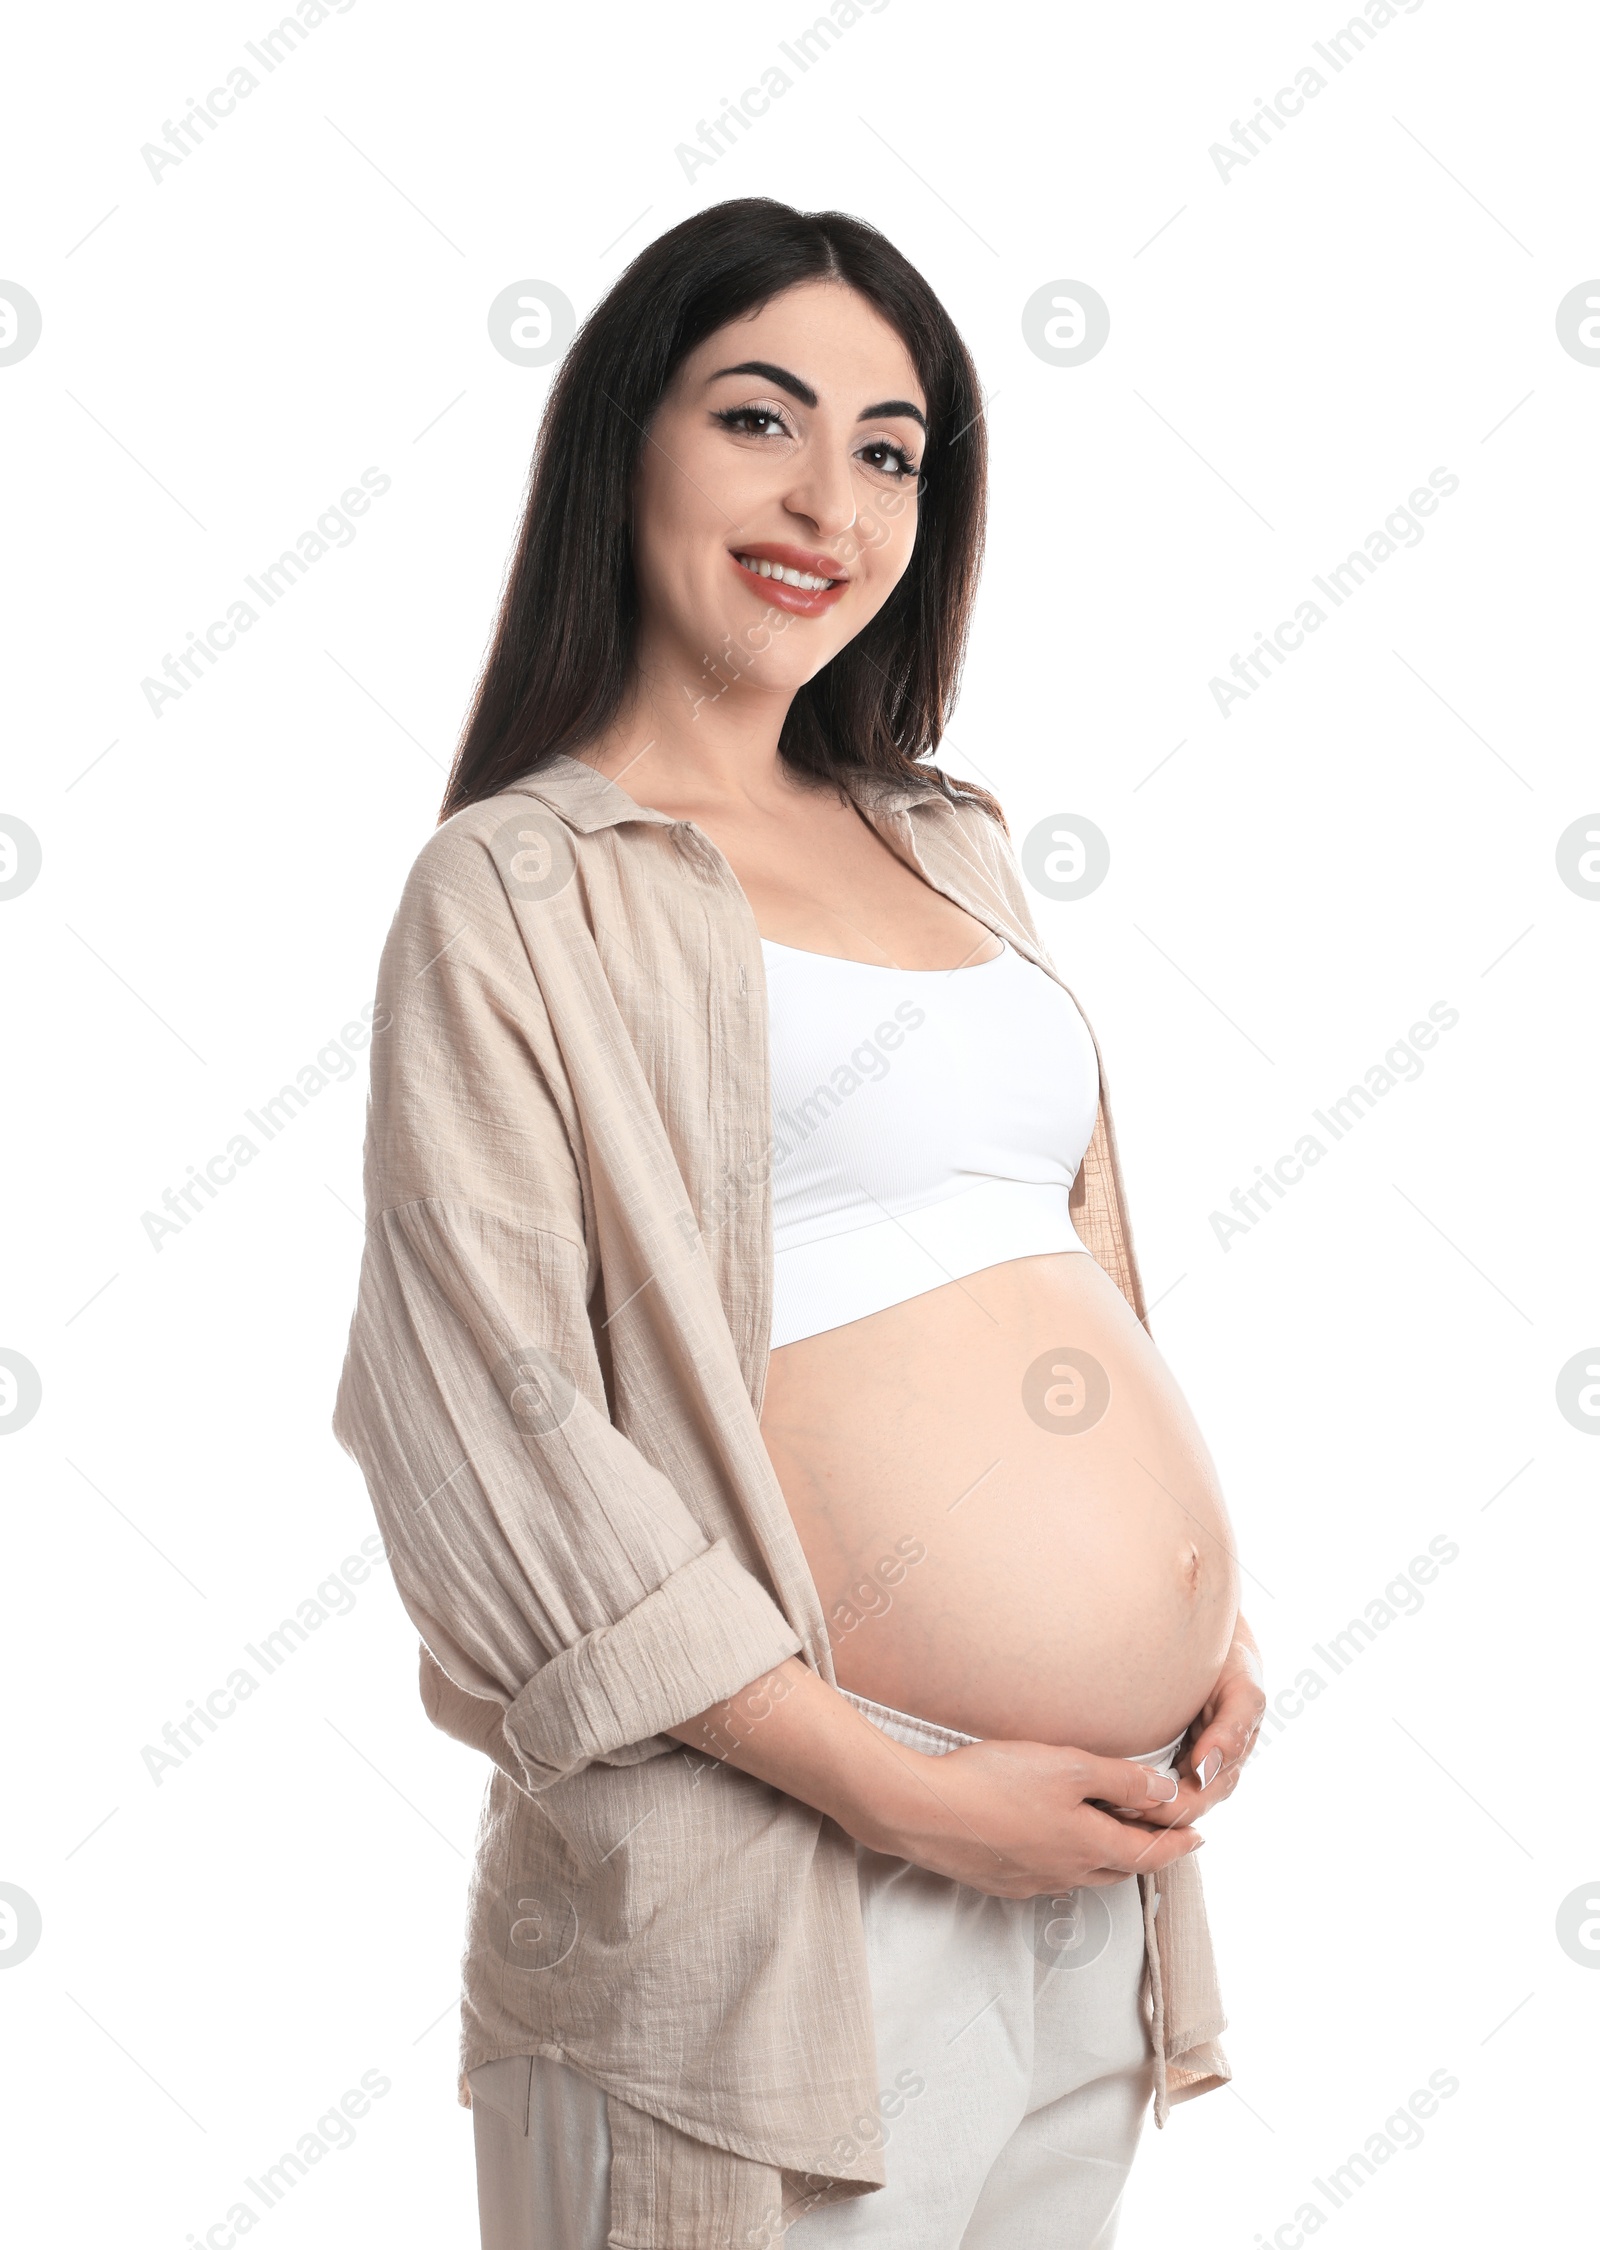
549 1565
1015 1819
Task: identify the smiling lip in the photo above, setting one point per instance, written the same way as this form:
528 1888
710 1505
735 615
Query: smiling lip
801 601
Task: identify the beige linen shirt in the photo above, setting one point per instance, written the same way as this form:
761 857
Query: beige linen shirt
553 1388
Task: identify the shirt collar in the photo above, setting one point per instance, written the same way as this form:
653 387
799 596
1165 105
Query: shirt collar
588 801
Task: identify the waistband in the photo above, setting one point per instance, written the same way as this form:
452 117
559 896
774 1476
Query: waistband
926 1735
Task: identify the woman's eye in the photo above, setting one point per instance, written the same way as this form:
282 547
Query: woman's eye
894 460
752 421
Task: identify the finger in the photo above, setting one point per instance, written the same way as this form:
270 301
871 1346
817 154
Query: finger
1230 1727
1122 1781
1192 1801
1205 1762
1178 1814
1103 1878
1218 1747
1138 1850
1221 1776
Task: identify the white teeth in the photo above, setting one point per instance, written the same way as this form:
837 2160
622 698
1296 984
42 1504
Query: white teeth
806 580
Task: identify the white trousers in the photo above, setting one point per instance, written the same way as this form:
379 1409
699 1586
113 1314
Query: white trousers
1014 2070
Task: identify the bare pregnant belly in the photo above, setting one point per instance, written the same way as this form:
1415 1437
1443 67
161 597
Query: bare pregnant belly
1010 1515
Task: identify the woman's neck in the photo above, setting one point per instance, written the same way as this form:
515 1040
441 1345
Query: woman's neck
712 745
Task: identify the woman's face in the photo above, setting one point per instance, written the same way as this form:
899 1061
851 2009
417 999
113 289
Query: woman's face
789 441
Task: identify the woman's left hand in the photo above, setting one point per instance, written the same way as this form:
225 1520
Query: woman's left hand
1221 1738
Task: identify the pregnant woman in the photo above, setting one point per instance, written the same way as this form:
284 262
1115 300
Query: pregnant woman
750 1370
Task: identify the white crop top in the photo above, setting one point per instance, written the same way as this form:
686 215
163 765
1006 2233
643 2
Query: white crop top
926 1123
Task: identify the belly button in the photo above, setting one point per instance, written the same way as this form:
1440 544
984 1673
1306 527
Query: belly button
1189 1564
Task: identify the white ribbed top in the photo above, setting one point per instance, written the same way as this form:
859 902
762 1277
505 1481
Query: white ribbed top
926 1123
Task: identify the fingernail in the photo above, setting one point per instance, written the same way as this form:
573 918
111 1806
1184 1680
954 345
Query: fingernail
1163 1788
1208 1769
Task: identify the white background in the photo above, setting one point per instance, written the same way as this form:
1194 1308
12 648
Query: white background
1292 350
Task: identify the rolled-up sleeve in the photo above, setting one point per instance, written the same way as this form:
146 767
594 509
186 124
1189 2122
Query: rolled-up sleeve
548 1565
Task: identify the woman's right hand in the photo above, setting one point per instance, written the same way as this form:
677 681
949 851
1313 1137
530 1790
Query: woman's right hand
1017 1819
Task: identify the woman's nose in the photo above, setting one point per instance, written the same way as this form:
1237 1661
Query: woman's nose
824 494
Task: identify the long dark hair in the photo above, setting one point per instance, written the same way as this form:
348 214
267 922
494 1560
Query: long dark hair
558 667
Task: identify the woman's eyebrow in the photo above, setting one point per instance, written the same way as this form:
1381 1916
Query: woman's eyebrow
890 406
779 375
808 397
